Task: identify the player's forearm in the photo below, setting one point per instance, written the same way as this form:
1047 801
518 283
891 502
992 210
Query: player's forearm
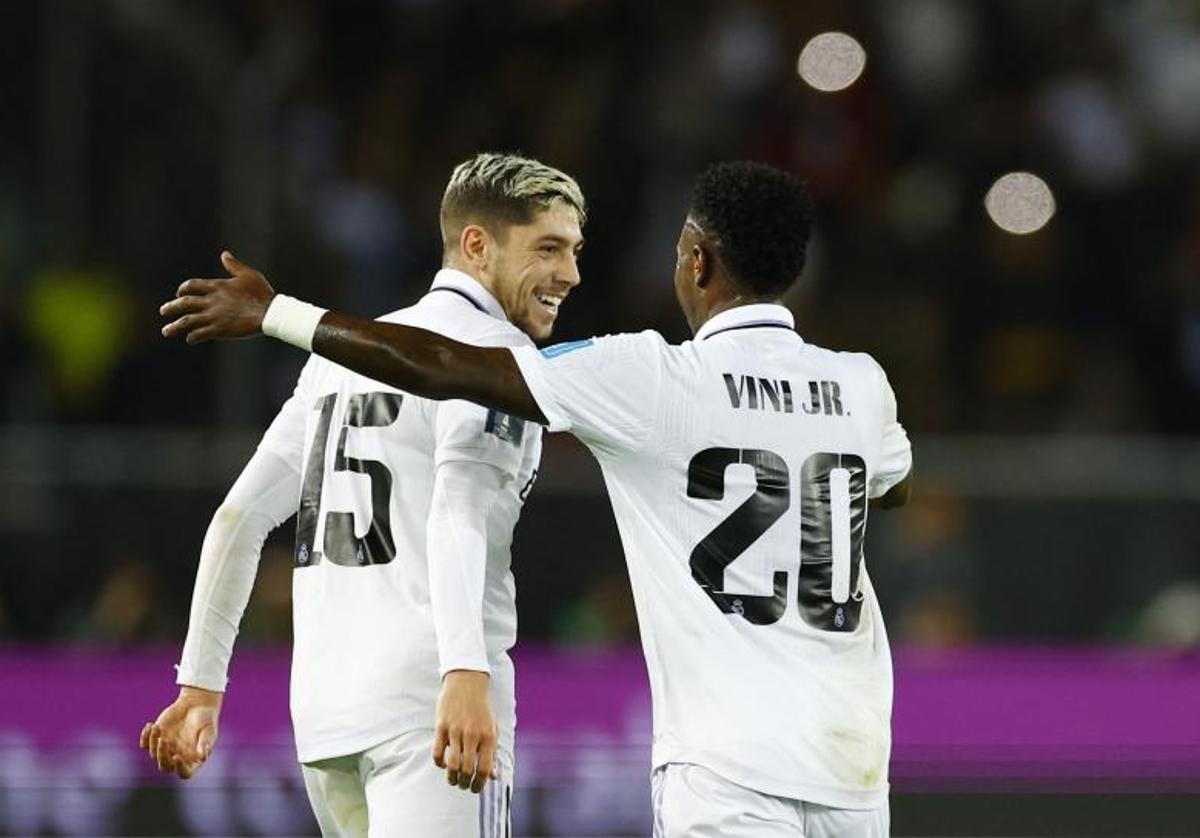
456 539
456 583
262 498
425 363
410 359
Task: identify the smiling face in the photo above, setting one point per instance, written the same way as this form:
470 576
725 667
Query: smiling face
533 267
514 223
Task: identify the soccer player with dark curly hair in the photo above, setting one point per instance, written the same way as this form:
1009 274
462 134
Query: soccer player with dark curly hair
741 466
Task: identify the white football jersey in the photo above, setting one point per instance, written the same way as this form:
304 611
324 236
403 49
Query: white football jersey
739 465
365 656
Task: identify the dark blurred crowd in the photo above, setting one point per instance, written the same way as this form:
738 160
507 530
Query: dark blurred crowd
315 139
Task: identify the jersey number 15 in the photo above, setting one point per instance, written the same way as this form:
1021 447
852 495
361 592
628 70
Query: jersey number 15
341 545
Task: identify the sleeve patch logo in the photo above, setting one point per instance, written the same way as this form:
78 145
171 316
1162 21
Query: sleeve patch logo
504 426
563 348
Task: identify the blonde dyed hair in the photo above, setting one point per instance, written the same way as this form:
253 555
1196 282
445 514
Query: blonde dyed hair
498 191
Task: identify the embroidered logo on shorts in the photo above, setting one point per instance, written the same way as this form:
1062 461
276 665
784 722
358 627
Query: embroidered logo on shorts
505 426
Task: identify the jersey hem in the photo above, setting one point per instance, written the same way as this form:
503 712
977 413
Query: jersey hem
342 746
836 798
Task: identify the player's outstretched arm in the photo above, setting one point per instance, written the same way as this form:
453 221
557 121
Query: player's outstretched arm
426 364
414 360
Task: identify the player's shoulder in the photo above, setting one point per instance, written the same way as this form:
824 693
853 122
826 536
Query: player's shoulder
623 345
853 362
462 323
647 339
860 370
862 362
484 330
407 316
312 373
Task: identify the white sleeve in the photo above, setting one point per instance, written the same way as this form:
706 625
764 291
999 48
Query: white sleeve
895 451
467 432
265 495
262 498
456 546
603 390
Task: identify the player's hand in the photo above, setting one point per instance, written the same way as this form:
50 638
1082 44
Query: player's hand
219 309
181 738
466 736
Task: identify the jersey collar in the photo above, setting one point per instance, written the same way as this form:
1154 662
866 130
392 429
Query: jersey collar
752 316
470 289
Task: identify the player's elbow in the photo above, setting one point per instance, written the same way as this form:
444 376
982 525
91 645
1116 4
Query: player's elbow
228 517
896 496
439 376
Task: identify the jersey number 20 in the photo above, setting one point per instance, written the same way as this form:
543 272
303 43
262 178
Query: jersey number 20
341 546
833 503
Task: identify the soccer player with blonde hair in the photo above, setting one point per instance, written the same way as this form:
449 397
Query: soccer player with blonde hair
403 598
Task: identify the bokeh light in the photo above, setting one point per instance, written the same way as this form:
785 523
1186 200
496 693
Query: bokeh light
831 61
1020 203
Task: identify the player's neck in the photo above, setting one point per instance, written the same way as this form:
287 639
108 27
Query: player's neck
729 302
457 265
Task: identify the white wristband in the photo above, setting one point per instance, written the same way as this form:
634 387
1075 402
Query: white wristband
292 321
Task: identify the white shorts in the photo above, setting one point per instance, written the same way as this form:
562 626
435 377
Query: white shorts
691 801
394 790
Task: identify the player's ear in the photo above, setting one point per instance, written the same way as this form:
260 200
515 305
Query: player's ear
475 245
701 265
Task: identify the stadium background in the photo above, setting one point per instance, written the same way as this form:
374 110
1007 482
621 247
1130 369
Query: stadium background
1050 381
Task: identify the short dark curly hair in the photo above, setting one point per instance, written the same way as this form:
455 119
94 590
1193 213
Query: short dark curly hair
762 217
